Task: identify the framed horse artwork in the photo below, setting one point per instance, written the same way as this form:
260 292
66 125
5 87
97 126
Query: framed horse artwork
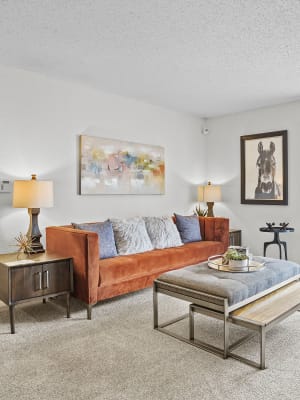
264 168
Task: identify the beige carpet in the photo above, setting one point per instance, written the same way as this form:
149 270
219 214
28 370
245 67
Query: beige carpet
119 356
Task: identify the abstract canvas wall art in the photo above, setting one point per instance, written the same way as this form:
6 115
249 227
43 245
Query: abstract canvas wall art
109 166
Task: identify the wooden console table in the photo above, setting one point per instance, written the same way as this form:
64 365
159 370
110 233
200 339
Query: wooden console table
34 276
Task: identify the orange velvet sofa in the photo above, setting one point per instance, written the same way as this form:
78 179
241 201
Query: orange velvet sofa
97 279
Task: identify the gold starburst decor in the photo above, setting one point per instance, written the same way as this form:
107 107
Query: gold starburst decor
24 244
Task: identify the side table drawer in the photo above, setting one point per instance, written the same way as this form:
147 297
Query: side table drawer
40 280
26 282
56 277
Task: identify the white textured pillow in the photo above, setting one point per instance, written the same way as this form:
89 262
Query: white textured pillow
163 232
131 235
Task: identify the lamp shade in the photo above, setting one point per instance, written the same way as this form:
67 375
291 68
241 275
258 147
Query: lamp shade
200 193
33 194
212 193
209 193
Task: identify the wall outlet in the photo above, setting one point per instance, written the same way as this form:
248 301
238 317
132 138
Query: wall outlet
5 186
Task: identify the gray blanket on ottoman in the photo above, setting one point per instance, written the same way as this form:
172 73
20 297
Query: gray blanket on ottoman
236 287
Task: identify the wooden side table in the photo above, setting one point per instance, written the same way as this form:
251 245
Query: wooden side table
235 237
34 276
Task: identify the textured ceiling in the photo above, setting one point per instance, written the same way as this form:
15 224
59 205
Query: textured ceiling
208 57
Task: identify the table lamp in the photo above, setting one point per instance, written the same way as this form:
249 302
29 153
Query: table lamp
33 194
210 194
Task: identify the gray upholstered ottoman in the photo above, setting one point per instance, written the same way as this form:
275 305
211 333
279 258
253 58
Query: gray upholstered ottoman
218 294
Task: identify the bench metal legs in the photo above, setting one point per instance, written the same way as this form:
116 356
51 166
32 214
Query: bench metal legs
262 347
261 330
217 307
224 352
162 327
226 336
227 351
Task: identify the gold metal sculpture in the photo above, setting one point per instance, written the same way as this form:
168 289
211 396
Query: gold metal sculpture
24 244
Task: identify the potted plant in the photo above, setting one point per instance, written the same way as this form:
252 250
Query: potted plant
198 211
236 259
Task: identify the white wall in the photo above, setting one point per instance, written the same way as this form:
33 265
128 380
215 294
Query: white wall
223 151
40 123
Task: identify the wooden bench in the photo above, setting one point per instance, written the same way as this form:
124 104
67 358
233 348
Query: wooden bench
260 315
263 314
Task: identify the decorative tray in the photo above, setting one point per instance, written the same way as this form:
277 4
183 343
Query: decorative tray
217 262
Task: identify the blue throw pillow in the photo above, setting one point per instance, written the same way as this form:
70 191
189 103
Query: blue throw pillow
107 245
188 227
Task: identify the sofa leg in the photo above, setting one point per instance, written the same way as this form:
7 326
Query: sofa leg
89 311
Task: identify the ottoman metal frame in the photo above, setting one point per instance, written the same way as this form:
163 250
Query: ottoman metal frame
215 307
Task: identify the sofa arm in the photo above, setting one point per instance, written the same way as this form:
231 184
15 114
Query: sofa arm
83 247
216 228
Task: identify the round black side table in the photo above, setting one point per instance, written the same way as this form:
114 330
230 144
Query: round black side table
276 230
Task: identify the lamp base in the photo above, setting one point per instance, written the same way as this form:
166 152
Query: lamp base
35 252
34 232
210 209
37 247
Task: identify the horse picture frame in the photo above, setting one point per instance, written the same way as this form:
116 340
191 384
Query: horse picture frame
264 168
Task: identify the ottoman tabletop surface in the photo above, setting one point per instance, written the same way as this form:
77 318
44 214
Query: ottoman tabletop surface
236 287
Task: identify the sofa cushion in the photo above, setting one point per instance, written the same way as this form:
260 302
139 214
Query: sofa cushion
131 235
162 232
107 246
188 227
126 268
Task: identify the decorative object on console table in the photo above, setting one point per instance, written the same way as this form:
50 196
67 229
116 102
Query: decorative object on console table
41 276
209 194
33 195
264 168
235 237
271 228
24 244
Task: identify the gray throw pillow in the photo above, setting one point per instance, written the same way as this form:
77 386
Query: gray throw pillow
131 235
188 227
107 246
163 232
